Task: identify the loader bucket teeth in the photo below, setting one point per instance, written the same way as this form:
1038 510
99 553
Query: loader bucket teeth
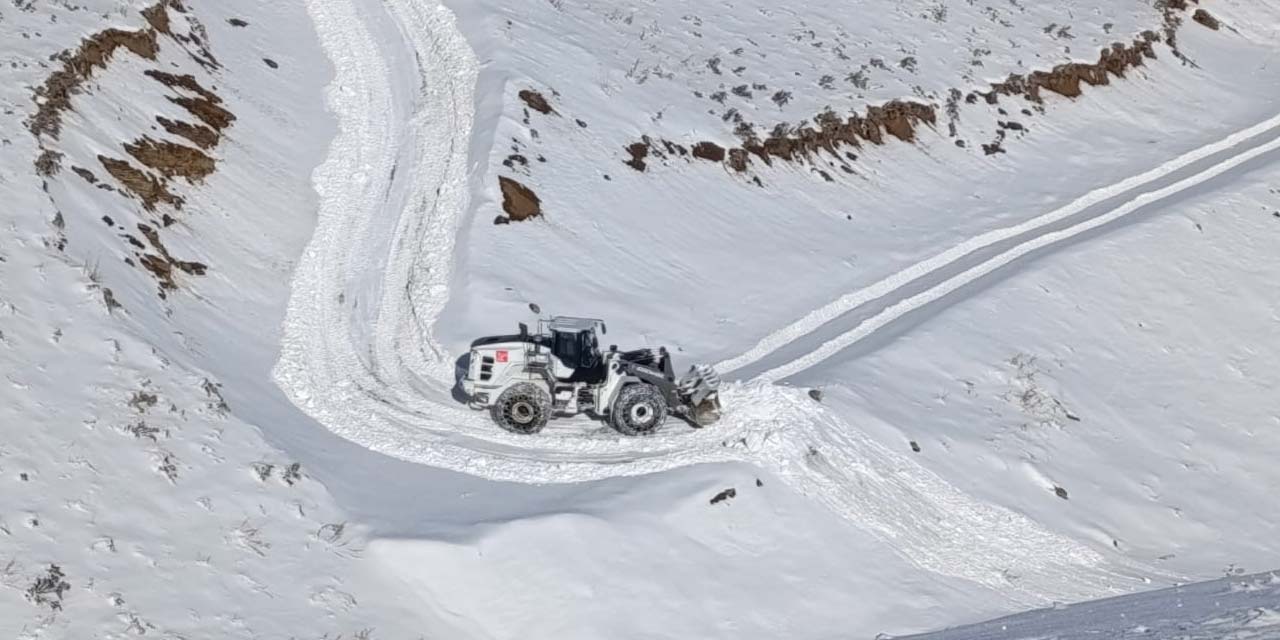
700 391
708 412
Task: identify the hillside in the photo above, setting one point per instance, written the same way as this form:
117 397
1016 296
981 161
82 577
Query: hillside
991 285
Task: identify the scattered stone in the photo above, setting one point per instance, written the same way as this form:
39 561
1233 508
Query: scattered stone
816 394
709 151
639 151
271 63
915 446
724 495
1205 18
536 101
86 174
1060 492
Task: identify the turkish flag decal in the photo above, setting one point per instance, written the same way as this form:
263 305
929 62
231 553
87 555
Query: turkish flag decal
502 356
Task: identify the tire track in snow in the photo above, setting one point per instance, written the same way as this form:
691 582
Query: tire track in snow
1041 226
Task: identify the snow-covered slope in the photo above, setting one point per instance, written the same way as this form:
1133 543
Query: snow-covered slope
1040 325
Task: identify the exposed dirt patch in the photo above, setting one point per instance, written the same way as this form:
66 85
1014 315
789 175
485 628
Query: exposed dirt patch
649 149
207 111
520 202
171 159
185 81
901 119
1172 10
48 163
158 17
536 101
195 41
202 136
1065 79
162 265
638 151
898 119
142 185
709 151
1205 18
204 105
78 65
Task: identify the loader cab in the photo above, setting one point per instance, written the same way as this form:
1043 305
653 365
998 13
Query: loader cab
575 345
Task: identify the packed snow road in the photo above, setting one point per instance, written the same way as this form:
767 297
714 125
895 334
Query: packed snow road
359 356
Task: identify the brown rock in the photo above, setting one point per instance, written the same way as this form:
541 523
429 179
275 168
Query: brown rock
520 202
1204 18
536 101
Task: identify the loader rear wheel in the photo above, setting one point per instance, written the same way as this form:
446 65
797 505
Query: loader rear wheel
523 408
639 410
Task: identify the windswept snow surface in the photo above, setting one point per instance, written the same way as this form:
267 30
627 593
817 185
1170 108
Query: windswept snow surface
1236 608
379 280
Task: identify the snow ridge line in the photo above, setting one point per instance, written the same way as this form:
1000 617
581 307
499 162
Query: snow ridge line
907 305
818 317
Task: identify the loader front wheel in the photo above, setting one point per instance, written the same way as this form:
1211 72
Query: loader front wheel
523 408
639 410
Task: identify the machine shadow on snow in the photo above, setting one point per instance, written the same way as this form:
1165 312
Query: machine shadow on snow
460 368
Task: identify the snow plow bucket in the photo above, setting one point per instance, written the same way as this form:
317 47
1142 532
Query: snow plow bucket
699 389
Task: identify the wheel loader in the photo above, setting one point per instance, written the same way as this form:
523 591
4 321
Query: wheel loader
526 379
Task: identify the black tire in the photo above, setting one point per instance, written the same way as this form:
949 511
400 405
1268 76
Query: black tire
523 408
639 410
